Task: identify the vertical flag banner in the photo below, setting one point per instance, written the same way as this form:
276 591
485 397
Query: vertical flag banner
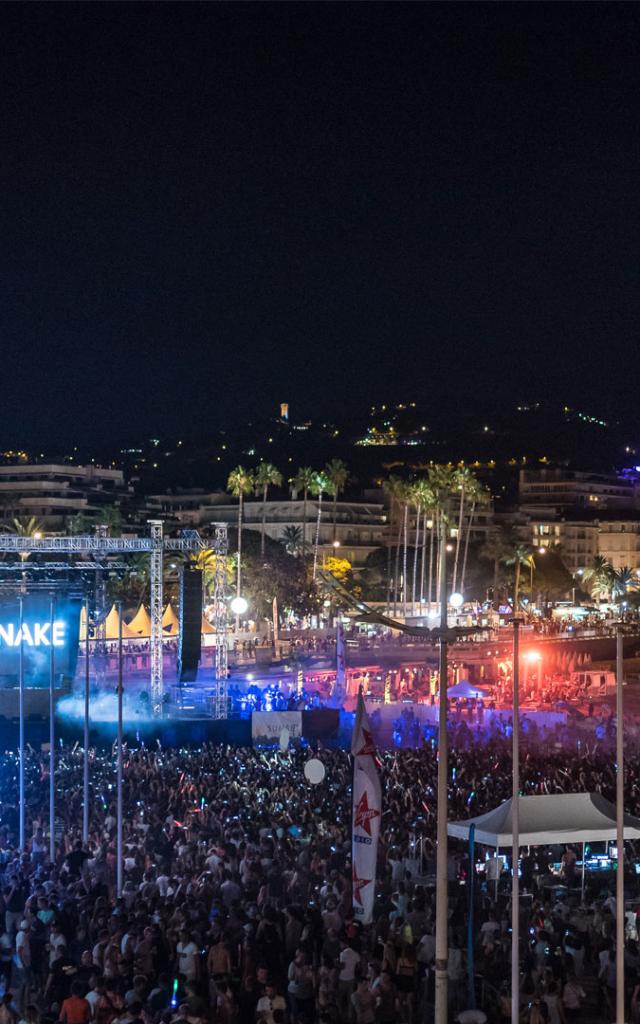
340 688
367 813
274 612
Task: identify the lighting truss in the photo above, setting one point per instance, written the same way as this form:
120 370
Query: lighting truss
220 549
28 567
155 646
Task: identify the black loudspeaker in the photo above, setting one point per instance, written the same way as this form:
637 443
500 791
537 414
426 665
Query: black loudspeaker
190 624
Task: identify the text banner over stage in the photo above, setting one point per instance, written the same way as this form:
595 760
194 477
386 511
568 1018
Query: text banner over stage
36 637
266 726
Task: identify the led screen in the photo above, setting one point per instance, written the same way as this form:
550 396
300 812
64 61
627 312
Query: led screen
38 638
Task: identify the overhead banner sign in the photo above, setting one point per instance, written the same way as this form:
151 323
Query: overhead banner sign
266 726
35 637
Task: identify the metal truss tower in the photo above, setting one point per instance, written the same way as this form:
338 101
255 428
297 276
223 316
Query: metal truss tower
102 532
220 549
155 643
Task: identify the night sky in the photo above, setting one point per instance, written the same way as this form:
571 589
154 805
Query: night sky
207 209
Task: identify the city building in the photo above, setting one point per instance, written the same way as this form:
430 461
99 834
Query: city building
619 542
579 541
554 491
576 540
53 492
361 526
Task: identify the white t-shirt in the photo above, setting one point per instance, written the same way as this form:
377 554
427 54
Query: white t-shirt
266 1006
187 959
349 960
426 951
23 949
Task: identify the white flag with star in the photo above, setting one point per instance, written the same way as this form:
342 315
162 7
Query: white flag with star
367 811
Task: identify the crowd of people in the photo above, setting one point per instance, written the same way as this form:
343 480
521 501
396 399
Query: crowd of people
236 902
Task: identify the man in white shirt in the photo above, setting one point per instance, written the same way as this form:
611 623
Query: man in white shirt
188 956
349 961
57 943
269 1002
426 951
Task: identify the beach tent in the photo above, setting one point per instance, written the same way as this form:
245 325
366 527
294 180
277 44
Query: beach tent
111 626
141 623
206 626
465 689
169 617
549 819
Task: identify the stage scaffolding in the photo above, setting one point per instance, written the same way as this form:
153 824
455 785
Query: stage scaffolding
99 548
220 548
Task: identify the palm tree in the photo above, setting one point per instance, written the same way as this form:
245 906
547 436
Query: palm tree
416 498
518 555
425 500
406 500
111 517
266 476
623 581
303 481
443 483
291 539
495 550
463 481
338 475
240 482
319 486
477 494
599 577
395 488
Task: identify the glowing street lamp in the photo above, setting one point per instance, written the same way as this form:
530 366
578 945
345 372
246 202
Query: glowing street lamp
239 605
456 600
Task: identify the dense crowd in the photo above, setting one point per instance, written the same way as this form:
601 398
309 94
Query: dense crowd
236 905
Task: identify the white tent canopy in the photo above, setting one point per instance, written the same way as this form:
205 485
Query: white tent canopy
547 820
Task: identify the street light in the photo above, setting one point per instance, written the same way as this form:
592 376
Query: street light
239 605
456 600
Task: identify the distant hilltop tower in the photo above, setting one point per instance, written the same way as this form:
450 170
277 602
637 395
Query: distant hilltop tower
284 412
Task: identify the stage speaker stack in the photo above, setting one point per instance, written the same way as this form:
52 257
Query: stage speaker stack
190 624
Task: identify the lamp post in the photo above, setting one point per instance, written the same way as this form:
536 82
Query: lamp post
21 725
119 837
442 891
620 917
52 738
515 831
85 753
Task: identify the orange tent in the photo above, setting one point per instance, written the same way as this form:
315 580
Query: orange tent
141 623
111 624
170 621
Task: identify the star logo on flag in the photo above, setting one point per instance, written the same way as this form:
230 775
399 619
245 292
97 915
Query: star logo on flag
369 746
364 813
358 884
